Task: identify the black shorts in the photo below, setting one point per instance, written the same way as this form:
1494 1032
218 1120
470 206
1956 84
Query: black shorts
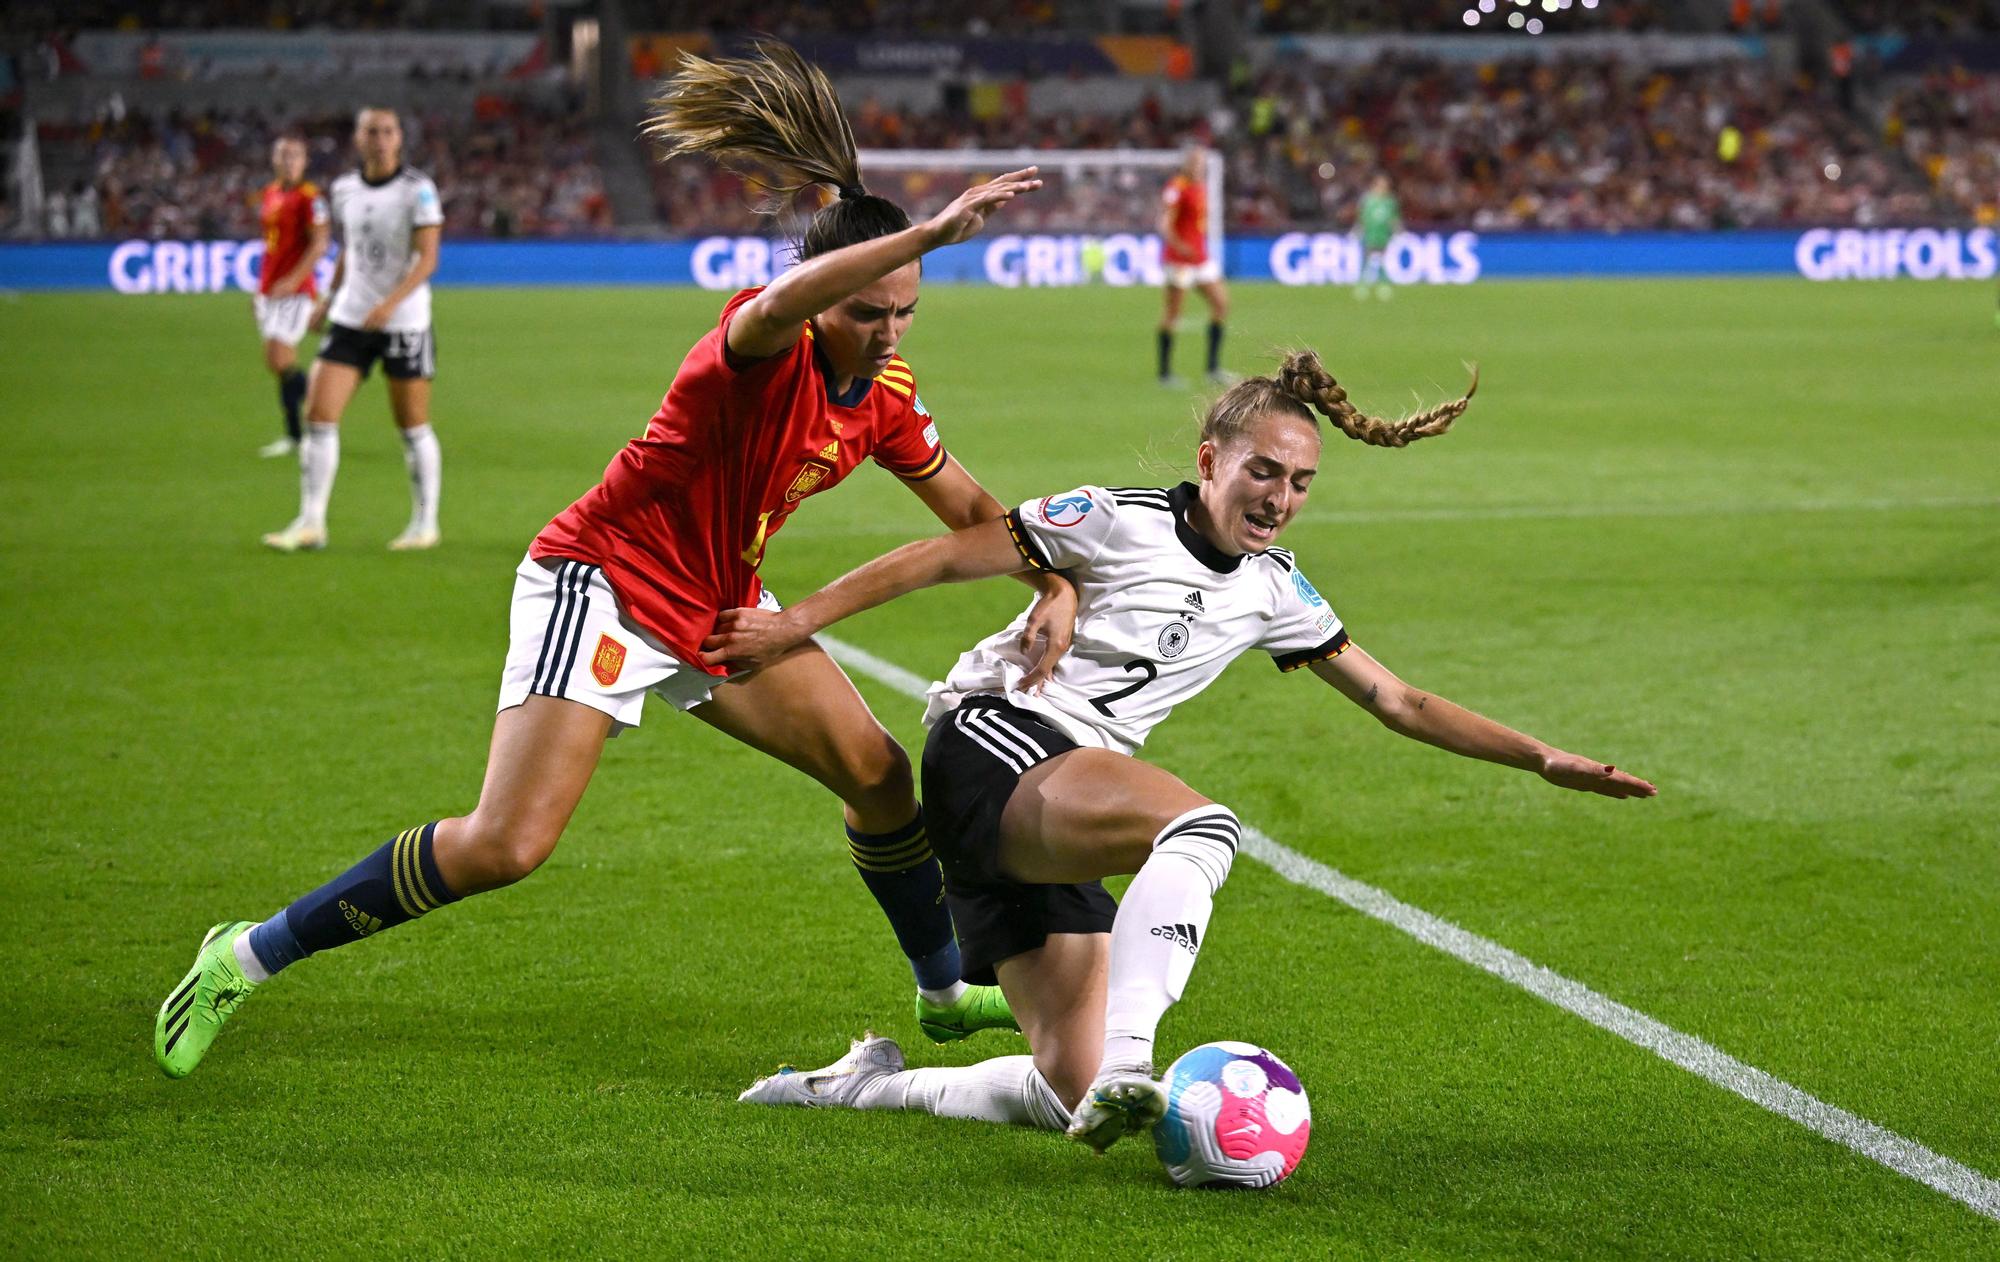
974 757
406 354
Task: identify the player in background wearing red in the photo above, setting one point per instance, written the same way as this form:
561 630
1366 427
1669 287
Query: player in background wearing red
797 384
296 229
1186 261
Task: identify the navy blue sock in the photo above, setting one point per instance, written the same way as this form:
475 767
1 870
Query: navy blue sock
397 883
1214 345
291 393
901 872
1166 353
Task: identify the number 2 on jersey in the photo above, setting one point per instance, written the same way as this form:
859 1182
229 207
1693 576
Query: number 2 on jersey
1147 674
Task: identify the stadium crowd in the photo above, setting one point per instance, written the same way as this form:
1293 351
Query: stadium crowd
508 170
1948 124
1597 144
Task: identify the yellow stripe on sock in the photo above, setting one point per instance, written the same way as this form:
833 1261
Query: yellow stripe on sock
414 870
422 887
396 873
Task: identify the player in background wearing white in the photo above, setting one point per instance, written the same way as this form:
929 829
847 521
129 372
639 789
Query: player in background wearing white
294 218
1033 796
1378 219
1185 260
389 218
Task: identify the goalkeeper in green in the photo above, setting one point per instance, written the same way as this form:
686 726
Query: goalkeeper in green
1379 219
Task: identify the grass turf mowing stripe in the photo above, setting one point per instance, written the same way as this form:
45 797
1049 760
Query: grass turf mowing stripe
1905 1156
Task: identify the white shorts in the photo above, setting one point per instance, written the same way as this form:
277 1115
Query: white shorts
283 319
568 638
1186 275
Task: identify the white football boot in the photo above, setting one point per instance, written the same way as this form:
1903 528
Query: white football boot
297 537
278 448
870 1057
1121 1102
414 539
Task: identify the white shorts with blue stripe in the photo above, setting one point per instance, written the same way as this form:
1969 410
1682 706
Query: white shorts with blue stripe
568 638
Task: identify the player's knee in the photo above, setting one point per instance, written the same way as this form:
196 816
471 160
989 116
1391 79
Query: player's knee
501 848
875 773
1206 838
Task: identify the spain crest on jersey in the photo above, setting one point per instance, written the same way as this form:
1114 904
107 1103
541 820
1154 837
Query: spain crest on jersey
608 661
809 477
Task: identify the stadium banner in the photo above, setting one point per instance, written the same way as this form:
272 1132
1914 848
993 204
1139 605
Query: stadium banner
1041 260
1038 56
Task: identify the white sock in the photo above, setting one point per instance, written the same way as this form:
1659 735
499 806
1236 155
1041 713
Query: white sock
426 466
1005 1089
319 460
246 959
1160 927
946 997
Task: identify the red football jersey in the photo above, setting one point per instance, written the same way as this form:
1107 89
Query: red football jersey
289 216
1187 221
680 522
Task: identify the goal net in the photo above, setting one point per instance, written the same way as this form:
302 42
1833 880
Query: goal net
1096 216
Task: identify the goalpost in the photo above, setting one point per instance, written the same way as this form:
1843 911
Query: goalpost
1091 197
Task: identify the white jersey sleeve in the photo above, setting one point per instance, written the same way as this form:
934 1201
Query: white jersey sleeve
1303 627
426 207
1062 532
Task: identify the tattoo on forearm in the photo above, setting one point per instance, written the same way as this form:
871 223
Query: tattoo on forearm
1420 701
1369 700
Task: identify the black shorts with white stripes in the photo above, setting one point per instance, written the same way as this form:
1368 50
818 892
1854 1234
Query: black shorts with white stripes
973 759
406 354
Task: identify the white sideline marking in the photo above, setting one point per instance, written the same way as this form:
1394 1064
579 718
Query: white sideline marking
1905 1156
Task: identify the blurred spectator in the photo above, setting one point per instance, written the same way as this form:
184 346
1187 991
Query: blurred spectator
1948 124
272 15
1375 17
1598 143
851 17
508 170
1921 17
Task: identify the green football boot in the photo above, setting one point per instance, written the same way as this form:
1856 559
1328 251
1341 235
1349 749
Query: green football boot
979 1008
192 1015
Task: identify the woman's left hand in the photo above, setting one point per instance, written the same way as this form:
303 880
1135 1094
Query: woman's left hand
1571 771
748 638
1050 628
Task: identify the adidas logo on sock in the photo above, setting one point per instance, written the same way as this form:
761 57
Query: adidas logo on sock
360 921
1182 934
1193 601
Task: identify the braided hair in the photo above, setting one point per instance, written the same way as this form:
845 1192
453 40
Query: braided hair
1304 386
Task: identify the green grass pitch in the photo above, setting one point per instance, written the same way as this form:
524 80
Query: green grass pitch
1740 537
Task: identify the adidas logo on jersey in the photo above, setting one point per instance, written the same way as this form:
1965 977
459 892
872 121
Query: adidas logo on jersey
831 451
1193 602
1182 934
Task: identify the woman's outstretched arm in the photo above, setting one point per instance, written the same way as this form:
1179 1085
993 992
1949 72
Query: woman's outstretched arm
1427 717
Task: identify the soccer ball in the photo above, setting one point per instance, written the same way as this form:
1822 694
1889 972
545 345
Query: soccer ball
1236 1117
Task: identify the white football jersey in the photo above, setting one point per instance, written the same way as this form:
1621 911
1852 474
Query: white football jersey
1160 612
376 221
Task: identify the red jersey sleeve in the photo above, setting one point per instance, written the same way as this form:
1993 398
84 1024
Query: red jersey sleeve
909 446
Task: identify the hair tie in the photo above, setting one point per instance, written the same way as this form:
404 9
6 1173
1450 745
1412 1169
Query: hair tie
850 191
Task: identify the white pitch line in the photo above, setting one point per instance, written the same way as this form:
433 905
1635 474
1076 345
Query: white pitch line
1905 1156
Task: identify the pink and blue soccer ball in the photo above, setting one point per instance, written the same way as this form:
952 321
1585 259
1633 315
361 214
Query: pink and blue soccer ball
1236 1117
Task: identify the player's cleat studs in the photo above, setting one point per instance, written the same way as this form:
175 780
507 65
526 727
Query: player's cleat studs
1121 1102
